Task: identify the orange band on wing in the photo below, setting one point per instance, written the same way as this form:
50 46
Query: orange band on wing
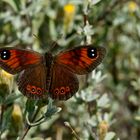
82 59
15 60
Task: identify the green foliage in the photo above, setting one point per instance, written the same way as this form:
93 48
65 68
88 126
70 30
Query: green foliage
107 104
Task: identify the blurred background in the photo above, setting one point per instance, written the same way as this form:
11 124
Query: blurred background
107 105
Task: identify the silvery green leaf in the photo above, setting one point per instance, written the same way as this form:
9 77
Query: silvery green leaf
103 101
64 2
138 29
10 98
92 121
79 30
95 1
88 30
109 136
97 76
25 35
51 13
137 118
118 21
89 96
51 110
136 84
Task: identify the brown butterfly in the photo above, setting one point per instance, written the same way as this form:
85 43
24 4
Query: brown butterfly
47 75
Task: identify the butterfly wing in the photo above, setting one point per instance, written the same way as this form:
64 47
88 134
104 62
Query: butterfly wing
32 82
63 83
14 60
83 59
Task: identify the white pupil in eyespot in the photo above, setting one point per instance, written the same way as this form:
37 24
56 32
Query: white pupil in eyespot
92 52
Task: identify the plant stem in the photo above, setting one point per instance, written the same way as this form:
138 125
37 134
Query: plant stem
29 126
1 118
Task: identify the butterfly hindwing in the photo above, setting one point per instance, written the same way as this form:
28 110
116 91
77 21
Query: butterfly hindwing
32 82
64 83
83 59
14 60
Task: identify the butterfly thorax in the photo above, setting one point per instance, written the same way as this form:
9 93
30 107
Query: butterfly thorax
48 59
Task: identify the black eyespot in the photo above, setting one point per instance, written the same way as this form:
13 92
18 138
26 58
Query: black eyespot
62 89
33 89
92 53
56 91
5 54
39 91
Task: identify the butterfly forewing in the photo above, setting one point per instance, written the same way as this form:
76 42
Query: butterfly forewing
83 59
43 76
15 60
64 83
32 82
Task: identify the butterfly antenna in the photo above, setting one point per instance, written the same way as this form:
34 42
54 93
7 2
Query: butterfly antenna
54 44
53 47
41 43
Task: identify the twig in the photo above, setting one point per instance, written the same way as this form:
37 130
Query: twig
72 130
85 18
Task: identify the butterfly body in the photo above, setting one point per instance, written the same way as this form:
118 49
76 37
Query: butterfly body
47 75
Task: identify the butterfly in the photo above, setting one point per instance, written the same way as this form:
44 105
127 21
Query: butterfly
44 75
